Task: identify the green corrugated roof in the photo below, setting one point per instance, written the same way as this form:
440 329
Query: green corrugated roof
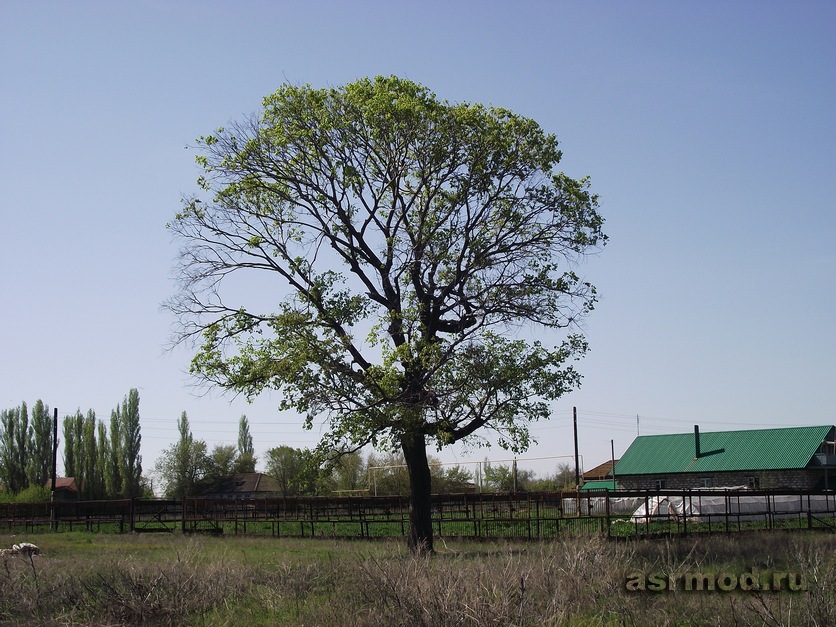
599 484
757 449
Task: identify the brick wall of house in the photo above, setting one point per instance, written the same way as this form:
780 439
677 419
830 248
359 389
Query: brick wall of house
802 479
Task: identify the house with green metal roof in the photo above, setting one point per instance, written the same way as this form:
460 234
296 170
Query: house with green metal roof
798 458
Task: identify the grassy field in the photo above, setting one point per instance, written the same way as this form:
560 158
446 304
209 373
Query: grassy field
167 579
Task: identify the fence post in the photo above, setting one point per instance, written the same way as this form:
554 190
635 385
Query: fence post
607 511
475 518
727 508
537 504
528 515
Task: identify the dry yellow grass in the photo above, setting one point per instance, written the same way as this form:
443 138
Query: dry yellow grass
166 580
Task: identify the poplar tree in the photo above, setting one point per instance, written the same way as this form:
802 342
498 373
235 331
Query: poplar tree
103 458
131 460
40 458
75 459
93 476
69 447
23 446
246 453
15 426
113 470
78 448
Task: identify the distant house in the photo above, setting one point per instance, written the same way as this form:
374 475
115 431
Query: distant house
66 489
599 478
799 458
246 485
600 472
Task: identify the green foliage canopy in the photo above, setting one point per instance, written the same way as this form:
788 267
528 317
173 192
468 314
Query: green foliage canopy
182 465
246 459
408 238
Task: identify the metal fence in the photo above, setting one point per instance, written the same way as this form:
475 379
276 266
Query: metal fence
536 515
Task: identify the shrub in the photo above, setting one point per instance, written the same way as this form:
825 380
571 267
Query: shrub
34 494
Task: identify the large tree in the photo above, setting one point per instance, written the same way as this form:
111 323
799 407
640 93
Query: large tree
182 465
347 473
405 245
220 462
293 469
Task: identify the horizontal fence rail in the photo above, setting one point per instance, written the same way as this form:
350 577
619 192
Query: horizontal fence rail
534 515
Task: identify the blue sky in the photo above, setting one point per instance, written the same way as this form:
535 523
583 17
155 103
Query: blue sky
707 129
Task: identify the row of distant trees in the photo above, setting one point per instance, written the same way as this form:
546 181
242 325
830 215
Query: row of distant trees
104 459
297 473
189 468
105 464
26 442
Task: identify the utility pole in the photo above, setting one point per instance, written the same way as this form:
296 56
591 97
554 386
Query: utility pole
612 452
577 463
52 512
54 448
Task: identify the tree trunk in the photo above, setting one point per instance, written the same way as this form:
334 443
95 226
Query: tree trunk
420 537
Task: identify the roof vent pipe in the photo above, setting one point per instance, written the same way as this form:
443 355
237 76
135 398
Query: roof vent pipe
697 441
